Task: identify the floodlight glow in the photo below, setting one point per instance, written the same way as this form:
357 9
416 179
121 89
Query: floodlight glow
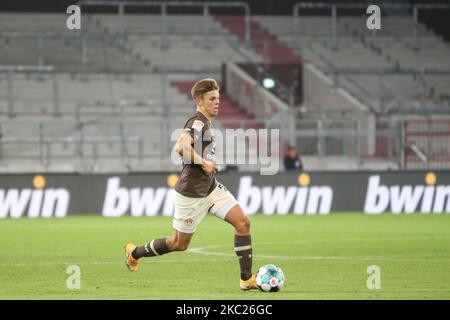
268 83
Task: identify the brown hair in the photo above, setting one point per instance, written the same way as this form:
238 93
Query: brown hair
203 86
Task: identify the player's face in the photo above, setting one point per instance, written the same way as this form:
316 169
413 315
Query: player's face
209 104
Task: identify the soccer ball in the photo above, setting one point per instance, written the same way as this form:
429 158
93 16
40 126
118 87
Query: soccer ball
270 278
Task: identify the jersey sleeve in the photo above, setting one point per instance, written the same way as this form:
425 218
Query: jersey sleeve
194 127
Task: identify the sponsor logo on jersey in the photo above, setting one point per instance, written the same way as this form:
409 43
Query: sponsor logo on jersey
198 125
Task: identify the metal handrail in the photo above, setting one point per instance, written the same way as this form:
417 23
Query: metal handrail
419 153
334 6
164 5
27 68
69 139
346 135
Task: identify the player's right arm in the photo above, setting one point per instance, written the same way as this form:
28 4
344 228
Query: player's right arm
184 148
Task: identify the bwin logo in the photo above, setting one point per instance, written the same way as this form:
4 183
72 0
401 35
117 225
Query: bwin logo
406 198
138 201
40 202
281 200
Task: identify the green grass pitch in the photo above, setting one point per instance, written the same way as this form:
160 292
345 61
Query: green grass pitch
323 257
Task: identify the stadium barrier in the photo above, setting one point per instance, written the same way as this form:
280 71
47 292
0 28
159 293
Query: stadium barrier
163 8
297 193
427 143
401 7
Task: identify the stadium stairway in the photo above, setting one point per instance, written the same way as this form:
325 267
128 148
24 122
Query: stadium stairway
230 114
263 42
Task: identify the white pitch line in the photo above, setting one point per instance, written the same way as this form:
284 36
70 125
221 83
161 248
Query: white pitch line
98 262
356 239
201 250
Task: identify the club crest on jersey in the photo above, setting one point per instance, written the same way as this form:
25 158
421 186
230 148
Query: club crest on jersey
198 125
189 221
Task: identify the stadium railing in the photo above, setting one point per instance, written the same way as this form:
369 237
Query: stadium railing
132 141
9 70
121 5
383 91
48 150
334 14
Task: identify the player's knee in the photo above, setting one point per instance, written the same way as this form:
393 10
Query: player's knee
247 224
243 226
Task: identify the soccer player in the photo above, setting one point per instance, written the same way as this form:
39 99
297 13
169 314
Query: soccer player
198 193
